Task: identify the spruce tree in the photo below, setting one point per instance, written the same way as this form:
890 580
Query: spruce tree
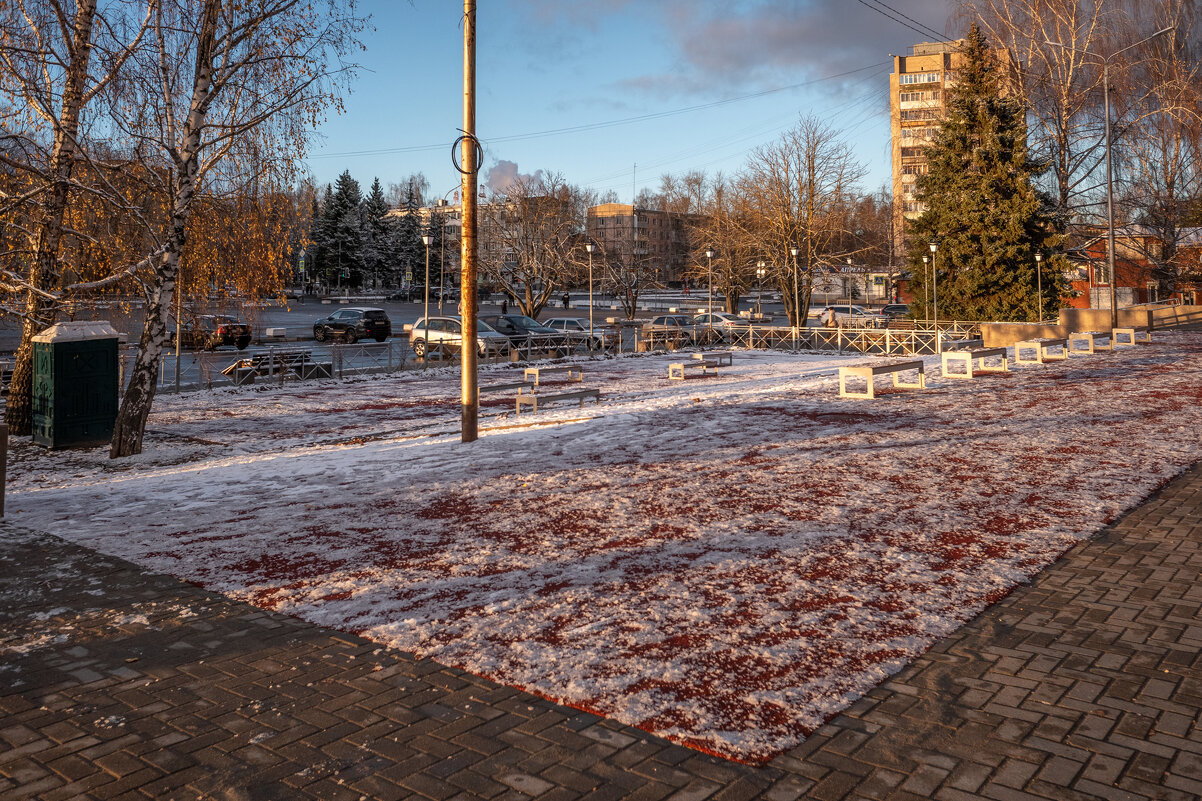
982 206
375 234
344 228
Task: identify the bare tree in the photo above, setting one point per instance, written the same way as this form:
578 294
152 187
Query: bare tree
56 58
800 191
1045 42
224 98
531 237
723 229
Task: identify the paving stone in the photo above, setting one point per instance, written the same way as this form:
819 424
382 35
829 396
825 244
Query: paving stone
1084 684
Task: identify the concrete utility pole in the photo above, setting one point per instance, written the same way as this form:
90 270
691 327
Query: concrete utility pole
467 276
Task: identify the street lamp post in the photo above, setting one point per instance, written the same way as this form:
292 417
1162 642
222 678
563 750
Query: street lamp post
926 285
1114 311
935 291
759 293
426 240
797 318
1039 283
589 246
709 255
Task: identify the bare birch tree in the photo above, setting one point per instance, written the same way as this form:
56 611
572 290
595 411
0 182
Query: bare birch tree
226 96
56 58
1046 44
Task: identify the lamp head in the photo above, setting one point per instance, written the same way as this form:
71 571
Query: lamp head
709 253
589 246
926 259
934 246
1038 257
427 239
794 250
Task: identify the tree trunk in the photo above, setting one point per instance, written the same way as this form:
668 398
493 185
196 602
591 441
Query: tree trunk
44 275
130 426
135 406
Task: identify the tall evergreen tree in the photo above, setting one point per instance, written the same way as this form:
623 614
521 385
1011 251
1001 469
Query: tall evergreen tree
344 229
982 206
375 235
407 248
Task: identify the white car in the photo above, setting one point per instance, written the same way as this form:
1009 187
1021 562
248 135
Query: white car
846 312
722 324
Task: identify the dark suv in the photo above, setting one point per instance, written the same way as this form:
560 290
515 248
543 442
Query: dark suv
209 331
526 332
353 324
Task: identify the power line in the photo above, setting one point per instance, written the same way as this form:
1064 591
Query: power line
928 28
899 21
608 123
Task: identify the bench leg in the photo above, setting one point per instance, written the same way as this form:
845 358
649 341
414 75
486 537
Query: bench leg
920 384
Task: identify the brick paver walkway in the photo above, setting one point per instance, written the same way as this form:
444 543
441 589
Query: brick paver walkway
115 683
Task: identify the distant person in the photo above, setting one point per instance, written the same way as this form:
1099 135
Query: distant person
567 300
504 305
827 320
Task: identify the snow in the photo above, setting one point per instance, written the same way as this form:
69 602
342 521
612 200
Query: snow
725 561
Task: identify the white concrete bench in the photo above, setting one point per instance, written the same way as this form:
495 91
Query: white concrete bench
276 333
967 358
719 356
534 400
676 371
870 372
1127 337
1089 341
1042 348
575 372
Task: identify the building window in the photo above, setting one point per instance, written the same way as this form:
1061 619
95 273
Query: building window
919 114
918 77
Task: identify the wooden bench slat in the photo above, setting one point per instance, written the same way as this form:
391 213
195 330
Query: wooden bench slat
533 400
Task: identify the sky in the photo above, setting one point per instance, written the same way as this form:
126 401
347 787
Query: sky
615 93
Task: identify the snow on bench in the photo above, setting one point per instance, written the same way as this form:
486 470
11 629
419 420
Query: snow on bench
968 358
869 372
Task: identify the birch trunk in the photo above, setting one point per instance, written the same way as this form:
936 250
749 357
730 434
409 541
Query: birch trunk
139 396
41 311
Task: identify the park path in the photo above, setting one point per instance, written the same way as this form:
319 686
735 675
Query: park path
119 683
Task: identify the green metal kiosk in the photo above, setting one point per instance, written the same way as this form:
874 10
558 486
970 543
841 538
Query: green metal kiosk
76 369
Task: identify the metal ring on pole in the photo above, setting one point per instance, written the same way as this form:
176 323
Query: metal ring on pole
455 154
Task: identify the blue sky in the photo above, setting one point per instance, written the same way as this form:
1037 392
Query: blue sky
592 88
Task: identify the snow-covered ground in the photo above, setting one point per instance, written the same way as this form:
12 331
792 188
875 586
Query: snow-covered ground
723 561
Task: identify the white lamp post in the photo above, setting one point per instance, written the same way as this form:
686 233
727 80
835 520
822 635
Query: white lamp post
1039 282
709 255
426 240
796 297
589 246
935 288
926 285
759 294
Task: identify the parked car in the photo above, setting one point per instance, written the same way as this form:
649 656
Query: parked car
720 324
895 311
433 332
577 330
676 327
525 331
210 331
846 312
352 324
